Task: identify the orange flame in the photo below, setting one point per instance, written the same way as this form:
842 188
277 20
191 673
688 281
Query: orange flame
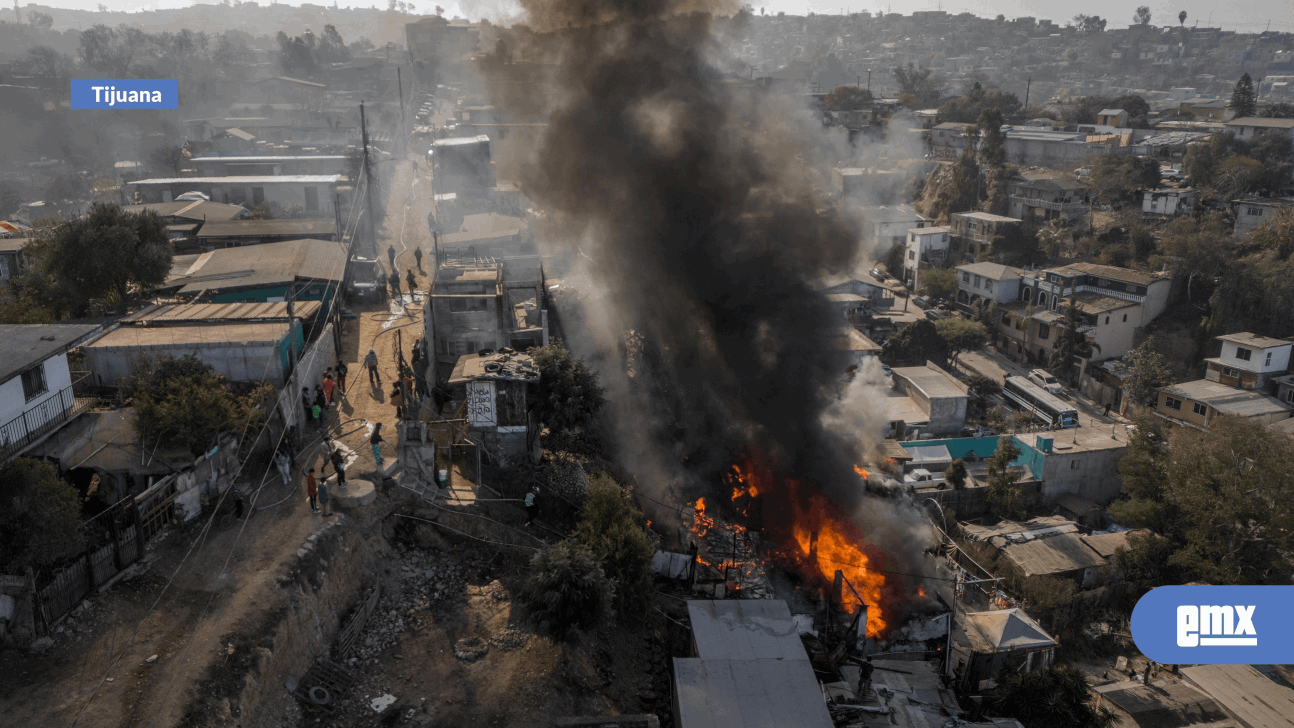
701 523
839 544
862 472
743 484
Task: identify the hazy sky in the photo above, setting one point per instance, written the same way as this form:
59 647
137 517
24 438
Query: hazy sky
1247 16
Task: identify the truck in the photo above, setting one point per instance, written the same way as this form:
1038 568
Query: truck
365 281
923 477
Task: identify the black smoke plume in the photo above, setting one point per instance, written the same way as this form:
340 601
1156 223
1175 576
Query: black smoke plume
695 198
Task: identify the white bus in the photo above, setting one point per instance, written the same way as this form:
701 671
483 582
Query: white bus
1048 408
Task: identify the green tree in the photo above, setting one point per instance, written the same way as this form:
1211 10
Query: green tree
1142 16
1279 110
848 98
1244 99
981 389
956 474
40 516
914 345
566 400
184 403
1147 373
1056 696
1195 249
968 107
1221 497
614 530
1181 18
1004 497
103 255
567 589
1089 23
1276 236
939 283
1145 560
993 145
961 335
1071 342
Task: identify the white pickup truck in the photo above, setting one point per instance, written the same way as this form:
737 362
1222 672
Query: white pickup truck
921 476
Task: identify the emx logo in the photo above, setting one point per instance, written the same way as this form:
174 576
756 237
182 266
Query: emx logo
1215 625
1221 623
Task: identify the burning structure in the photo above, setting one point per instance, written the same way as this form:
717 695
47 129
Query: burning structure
698 203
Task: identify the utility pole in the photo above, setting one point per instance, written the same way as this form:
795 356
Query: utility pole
368 184
869 80
1027 84
400 130
292 330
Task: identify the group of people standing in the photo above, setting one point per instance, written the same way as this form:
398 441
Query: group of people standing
393 280
327 393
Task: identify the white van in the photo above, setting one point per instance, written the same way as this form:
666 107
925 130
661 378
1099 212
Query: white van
1045 380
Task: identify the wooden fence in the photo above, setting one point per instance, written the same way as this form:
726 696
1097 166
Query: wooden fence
114 541
350 633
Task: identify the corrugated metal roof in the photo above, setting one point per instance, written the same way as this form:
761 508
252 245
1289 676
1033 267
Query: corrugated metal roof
197 210
192 312
263 265
1245 693
320 179
232 335
745 630
748 694
1228 400
255 228
1056 554
245 159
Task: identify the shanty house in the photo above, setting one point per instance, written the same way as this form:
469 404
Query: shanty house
308 270
493 387
1169 201
490 305
749 669
237 233
312 193
184 218
1196 403
1249 697
36 383
1252 212
985 641
268 165
973 232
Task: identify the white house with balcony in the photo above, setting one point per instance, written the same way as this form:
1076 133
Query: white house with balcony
36 397
926 247
1248 361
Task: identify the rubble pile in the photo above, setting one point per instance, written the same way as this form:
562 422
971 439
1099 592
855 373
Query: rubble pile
566 478
509 639
728 552
423 580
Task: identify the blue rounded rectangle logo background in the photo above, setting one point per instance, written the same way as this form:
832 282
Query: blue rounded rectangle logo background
1215 625
83 93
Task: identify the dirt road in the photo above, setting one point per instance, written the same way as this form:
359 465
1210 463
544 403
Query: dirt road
197 585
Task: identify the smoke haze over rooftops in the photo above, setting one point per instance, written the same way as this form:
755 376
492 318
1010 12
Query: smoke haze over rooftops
694 199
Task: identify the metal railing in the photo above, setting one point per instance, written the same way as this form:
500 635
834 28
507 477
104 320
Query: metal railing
33 425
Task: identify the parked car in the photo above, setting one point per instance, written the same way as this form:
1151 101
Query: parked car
935 314
1045 380
921 301
880 275
1083 172
1172 175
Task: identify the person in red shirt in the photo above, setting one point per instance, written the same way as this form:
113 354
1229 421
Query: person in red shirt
312 490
